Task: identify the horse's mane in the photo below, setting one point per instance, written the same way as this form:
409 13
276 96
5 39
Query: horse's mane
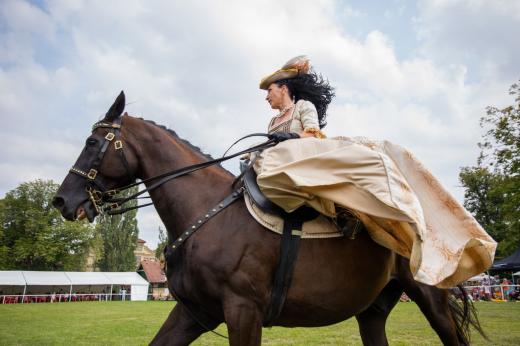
176 136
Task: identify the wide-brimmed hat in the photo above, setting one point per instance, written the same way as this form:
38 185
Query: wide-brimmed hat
292 68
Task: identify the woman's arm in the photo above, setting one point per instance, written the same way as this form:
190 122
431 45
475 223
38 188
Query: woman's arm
310 121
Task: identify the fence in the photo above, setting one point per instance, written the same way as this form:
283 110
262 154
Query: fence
493 292
75 297
476 293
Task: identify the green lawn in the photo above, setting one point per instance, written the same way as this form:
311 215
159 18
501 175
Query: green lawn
135 323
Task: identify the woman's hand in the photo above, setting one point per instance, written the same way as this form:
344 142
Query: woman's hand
283 136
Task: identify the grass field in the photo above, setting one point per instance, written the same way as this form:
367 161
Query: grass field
135 323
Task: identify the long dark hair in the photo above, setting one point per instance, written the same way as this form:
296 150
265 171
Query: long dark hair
311 87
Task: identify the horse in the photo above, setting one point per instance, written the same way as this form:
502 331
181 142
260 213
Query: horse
224 272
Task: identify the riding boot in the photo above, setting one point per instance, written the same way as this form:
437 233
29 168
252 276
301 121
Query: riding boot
347 222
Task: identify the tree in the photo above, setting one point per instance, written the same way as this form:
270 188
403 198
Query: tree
493 186
33 234
119 238
163 241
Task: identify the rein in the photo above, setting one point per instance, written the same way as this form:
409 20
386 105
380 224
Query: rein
106 201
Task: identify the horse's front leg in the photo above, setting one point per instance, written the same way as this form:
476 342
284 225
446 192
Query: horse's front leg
244 322
179 329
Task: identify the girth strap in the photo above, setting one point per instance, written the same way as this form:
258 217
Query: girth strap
292 231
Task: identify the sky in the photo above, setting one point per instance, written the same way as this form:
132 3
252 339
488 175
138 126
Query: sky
417 73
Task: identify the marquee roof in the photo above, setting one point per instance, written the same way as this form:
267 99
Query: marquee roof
509 263
11 278
48 278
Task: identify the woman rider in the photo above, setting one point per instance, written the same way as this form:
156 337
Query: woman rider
402 205
312 94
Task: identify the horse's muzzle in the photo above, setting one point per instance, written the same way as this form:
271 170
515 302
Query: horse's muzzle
79 212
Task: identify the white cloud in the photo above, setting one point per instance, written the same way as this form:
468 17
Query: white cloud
195 67
476 33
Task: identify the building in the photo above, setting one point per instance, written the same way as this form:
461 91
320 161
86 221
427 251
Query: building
152 272
143 253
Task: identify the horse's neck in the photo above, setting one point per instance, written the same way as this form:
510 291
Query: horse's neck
181 201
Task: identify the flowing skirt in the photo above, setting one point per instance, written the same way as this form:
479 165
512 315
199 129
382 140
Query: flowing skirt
402 205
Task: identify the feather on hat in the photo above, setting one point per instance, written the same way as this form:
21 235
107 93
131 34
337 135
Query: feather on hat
292 68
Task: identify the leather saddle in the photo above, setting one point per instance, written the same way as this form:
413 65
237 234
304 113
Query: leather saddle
304 213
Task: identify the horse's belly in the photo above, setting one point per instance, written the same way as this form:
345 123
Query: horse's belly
335 279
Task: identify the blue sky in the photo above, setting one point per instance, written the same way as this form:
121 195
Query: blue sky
419 73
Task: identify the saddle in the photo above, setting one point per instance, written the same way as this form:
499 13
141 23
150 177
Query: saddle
291 235
258 198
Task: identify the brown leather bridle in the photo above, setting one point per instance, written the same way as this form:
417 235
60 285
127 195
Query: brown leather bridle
106 200
97 193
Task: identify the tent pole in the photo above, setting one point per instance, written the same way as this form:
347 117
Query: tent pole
24 290
70 292
111 287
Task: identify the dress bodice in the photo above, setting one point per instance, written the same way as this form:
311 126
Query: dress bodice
304 118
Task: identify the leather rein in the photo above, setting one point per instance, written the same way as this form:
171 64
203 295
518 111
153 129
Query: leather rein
106 200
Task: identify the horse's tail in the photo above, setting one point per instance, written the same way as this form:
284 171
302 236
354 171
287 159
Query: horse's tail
465 316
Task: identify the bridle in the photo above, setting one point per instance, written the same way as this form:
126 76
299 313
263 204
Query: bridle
97 193
107 200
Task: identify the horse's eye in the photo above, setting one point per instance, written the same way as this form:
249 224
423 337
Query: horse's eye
91 141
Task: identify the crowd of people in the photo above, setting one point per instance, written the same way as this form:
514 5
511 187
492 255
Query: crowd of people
492 288
63 296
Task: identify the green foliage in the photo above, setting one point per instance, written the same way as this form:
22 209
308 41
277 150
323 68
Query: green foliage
119 238
163 240
33 234
493 187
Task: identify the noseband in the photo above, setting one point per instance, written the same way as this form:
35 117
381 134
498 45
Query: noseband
98 194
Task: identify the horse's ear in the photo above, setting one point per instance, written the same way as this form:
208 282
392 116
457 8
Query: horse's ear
117 108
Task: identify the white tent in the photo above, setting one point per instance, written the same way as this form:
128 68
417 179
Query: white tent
46 280
11 282
139 286
11 278
479 277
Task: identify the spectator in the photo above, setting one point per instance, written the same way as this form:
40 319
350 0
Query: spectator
515 292
505 287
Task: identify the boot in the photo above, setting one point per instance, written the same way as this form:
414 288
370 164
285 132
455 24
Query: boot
347 222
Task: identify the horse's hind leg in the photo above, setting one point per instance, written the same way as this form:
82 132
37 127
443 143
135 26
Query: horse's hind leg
372 320
434 304
179 329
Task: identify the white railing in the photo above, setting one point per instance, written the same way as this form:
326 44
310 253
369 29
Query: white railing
475 292
493 292
74 297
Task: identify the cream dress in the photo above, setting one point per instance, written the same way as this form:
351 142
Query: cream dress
402 205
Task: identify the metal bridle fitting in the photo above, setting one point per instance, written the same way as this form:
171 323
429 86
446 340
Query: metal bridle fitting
94 188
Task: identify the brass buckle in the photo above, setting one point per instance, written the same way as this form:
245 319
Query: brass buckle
92 174
93 194
118 144
110 136
111 193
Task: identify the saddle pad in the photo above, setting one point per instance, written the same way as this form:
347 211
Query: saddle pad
320 227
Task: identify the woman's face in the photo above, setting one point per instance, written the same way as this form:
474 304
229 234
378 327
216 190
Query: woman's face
276 96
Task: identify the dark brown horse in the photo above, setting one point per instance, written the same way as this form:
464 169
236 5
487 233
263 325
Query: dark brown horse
224 272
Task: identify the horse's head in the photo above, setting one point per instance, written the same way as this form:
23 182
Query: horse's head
103 165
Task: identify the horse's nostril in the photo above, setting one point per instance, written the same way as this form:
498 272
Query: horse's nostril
58 202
